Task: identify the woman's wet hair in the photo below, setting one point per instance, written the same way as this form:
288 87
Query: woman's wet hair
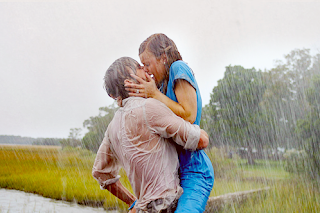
159 44
116 74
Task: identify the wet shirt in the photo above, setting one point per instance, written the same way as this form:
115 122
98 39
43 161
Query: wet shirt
140 139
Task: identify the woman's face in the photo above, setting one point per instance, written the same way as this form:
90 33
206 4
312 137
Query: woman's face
140 72
153 66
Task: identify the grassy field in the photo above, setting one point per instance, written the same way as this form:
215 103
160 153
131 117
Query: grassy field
287 193
66 174
54 173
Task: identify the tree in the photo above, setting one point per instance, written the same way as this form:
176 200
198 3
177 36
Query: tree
47 141
309 129
97 126
232 116
277 101
73 139
257 109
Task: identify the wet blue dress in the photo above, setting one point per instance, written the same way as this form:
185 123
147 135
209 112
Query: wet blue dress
196 172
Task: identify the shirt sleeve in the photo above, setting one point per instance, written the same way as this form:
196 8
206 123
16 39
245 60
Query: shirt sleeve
106 168
162 121
182 71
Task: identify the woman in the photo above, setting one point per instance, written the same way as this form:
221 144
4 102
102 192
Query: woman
179 91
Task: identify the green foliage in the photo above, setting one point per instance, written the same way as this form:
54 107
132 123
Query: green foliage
97 126
266 110
223 166
11 139
308 129
47 141
285 97
73 139
296 161
233 116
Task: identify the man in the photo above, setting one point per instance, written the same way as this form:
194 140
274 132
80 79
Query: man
140 138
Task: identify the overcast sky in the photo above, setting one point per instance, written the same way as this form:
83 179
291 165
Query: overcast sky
53 54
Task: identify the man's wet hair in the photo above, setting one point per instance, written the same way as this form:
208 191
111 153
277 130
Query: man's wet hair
117 73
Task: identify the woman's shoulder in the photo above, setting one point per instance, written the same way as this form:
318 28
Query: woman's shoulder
181 70
178 64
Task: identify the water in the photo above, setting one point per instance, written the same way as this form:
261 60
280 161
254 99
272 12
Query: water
14 201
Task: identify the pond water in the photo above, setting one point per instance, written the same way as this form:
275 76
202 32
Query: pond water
15 201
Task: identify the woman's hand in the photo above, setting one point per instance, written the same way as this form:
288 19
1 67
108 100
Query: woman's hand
204 140
146 88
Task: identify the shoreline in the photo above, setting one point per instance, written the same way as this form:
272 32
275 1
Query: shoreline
89 203
30 202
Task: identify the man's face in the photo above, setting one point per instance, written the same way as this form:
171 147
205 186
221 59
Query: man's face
140 72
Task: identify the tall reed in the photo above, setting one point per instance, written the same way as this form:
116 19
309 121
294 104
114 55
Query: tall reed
55 173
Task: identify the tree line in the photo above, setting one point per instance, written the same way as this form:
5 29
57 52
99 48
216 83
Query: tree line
269 109
14 140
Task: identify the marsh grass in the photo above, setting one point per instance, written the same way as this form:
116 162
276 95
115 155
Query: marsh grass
267 169
55 173
288 193
287 196
66 175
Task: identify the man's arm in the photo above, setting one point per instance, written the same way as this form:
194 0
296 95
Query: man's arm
105 170
118 190
164 122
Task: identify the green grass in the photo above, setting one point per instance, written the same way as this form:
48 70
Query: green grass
66 174
55 173
287 193
272 170
222 186
247 177
289 196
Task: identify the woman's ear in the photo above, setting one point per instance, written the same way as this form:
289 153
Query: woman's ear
164 58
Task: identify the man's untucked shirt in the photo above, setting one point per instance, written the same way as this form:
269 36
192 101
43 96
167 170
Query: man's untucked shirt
140 139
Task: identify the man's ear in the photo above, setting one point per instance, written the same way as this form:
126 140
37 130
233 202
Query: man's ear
119 101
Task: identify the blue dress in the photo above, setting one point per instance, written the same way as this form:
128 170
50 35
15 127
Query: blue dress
196 171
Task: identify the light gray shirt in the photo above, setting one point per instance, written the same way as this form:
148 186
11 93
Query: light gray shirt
140 139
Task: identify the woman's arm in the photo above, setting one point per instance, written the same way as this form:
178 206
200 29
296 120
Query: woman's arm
187 101
186 107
